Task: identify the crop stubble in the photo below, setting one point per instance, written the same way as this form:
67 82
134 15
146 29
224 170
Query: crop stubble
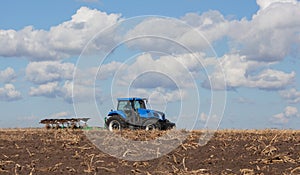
40 151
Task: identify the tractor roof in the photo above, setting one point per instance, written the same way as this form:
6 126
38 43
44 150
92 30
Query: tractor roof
131 98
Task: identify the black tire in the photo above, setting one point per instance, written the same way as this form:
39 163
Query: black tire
115 123
151 124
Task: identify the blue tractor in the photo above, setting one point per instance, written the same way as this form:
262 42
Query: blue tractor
132 113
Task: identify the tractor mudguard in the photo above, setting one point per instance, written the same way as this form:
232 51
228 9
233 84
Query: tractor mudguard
120 113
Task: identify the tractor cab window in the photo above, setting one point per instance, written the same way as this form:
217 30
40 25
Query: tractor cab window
139 104
124 105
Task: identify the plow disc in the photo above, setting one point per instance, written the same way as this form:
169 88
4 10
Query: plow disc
73 123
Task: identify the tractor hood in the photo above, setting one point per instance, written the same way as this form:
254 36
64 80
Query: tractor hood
147 113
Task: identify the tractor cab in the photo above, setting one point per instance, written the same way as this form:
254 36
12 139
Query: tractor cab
131 103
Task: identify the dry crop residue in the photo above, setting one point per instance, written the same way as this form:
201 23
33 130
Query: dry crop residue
40 151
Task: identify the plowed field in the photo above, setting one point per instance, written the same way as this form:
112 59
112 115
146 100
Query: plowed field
41 151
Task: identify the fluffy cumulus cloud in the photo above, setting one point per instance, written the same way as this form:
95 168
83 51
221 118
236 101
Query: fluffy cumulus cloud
49 71
167 72
253 45
80 29
292 95
61 41
106 71
169 35
53 90
25 43
239 72
285 116
243 100
63 114
53 79
9 93
164 71
155 76
263 4
156 96
212 25
7 75
66 91
269 36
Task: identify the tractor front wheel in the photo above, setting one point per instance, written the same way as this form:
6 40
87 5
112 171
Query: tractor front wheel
115 123
151 124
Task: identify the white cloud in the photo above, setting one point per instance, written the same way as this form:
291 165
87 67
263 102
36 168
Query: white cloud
286 115
196 32
65 91
9 93
270 79
243 100
49 71
160 95
263 4
108 70
193 31
165 71
211 24
50 89
7 75
63 114
25 43
156 96
166 35
279 119
54 80
239 72
88 76
291 111
292 95
207 120
205 20
55 90
71 36
203 117
270 34
61 41
254 44
78 92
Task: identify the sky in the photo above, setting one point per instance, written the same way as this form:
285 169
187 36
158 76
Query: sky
206 64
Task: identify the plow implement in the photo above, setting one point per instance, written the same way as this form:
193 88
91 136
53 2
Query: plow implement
73 123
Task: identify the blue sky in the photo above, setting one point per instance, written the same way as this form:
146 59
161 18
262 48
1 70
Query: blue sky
251 68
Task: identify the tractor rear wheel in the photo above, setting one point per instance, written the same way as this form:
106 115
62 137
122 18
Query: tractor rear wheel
115 123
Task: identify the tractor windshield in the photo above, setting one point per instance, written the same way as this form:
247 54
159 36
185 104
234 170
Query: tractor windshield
139 104
124 105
